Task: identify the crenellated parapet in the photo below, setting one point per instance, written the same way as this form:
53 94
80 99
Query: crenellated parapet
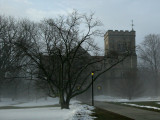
119 41
119 33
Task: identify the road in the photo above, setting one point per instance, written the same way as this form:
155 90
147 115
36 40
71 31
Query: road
131 112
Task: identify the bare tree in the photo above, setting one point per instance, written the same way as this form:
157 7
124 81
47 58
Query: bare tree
9 55
149 54
59 48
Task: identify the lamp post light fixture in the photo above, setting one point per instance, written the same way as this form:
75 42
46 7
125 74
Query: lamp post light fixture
92 89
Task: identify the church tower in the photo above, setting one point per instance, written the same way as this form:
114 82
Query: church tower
121 41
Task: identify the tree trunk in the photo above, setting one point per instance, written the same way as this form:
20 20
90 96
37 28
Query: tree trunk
156 87
65 104
0 96
28 92
45 97
130 97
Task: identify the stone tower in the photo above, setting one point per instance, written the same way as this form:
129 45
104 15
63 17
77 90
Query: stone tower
119 41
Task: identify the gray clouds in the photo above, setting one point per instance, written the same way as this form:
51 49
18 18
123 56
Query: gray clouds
115 14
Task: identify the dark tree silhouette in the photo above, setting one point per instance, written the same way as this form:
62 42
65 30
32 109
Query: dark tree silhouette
59 49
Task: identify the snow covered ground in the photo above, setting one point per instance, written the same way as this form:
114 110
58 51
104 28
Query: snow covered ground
25 103
77 111
127 102
118 99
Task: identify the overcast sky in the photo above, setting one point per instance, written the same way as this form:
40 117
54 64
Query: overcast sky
114 14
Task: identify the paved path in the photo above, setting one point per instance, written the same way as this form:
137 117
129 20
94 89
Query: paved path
134 113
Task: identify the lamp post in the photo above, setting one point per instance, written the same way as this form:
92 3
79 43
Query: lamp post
92 90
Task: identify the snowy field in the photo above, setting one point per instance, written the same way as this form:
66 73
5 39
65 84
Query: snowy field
44 109
76 111
25 103
117 99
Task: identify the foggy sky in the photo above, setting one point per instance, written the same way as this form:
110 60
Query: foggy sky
114 14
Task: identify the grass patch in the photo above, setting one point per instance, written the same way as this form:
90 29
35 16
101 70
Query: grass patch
17 107
102 114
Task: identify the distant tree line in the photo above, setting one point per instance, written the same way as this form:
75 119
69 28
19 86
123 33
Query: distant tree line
149 54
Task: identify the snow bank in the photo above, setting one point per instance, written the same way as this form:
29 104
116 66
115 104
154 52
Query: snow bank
80 112
142 106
